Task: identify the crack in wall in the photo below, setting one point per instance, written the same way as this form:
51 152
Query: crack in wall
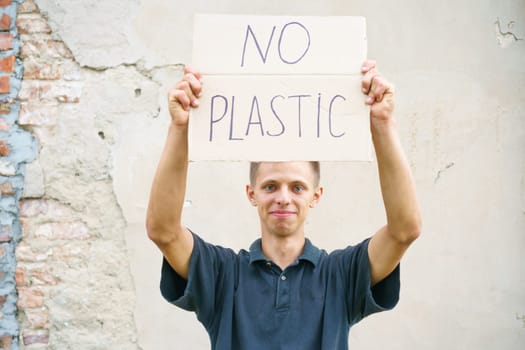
505 39
140 66
438 176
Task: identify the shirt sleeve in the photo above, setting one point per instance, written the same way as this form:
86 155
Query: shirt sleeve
362 299
211 269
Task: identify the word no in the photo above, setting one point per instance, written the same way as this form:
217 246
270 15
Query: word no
295 28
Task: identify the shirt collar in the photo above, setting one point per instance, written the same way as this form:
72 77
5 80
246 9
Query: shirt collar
310 252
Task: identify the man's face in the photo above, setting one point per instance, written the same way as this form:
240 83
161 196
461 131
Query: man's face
283 193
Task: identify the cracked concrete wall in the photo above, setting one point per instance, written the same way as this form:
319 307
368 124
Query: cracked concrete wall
459 76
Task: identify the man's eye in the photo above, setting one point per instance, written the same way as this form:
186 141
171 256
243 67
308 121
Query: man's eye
269 187
298 188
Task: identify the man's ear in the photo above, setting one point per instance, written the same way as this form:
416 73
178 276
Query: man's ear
317 196
250 195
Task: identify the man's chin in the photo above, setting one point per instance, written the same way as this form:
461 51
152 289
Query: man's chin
284 231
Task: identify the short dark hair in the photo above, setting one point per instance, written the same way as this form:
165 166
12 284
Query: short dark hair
316 167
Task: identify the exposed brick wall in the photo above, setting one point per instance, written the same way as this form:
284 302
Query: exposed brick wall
73 290
17 148
49 79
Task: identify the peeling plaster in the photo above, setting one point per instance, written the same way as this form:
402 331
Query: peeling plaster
505 39
7 168
114 39
111 40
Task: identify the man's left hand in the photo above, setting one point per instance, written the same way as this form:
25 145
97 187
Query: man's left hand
379 91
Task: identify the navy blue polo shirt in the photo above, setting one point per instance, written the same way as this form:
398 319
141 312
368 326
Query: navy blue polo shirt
246 302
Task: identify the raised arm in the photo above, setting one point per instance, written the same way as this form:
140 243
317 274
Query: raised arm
163 221
388 245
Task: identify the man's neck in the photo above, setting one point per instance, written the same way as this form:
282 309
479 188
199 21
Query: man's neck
283 251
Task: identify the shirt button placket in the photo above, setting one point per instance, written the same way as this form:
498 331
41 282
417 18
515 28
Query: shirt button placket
283 293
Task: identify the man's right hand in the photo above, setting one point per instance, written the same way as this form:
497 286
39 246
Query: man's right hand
184 96
164 216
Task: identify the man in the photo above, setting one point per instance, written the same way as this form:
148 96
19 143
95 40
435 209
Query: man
284 293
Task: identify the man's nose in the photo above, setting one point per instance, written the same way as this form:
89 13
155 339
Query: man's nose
283 196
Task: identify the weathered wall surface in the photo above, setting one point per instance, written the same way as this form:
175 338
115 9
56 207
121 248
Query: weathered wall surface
17 148
75 290
95 80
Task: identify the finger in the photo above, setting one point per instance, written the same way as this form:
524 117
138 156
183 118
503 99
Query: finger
195 84
370 100
189 69
368 65
178 96
380 87
368 78
185 86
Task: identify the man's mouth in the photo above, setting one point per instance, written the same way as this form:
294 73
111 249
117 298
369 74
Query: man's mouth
282 213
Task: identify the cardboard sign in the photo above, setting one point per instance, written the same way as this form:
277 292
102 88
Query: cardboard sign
280 88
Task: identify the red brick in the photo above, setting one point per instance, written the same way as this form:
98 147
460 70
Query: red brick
69 253
5 108
21 276
28 6
3 299
52 209
33 90
5 3
4 238
5 341
5 233
6 188
4 84
7 64
4 149
3 125
44 49
43 276
41 70
36 338
6 41
5 22
37 318
32 24
37 114
63 230
32 207
51 91
27 228
24 253
30 297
